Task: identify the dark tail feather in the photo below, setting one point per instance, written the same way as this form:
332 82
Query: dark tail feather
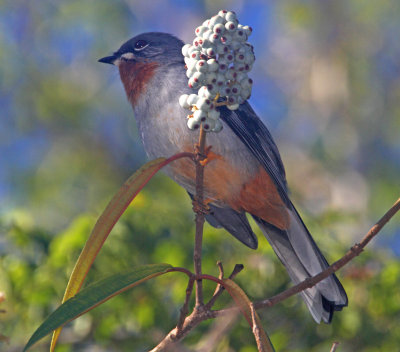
235 223
302 258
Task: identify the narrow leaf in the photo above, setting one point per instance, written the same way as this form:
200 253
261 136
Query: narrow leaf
106 222
244 304
94 295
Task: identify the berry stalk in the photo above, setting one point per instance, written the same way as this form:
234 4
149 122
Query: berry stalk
200 210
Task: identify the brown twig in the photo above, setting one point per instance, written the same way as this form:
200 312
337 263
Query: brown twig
190 323
199 208
334 346
198 316
219 289
185 308
256 329
221 270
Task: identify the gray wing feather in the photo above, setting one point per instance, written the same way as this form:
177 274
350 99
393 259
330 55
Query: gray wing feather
295 247
234 222
245 123
302 258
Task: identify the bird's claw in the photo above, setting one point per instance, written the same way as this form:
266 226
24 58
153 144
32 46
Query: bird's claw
201 208
203 157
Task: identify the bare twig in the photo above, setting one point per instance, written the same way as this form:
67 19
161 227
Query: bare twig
190 323
236 270
219 289
221 270
256 329
185 307
199 208
334 346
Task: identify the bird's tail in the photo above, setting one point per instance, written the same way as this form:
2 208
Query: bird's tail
302 258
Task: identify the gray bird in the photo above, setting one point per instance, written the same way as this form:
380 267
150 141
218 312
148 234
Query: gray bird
244 174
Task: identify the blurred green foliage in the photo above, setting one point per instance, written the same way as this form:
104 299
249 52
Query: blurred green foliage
157 227
327 85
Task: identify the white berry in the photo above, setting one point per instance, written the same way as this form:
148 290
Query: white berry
230 16
230 26
212 65
185 49
218 126
217 63
192 99
211 78
233 106
199 115
199 77
193 124
219 29
183 101
208 124
200 30
202 66
204 104
213 114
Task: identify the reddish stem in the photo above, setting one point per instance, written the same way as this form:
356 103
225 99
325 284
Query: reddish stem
199 200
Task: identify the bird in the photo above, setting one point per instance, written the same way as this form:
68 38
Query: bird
244 173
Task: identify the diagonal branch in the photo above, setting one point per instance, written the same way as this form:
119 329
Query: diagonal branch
189 324
185 307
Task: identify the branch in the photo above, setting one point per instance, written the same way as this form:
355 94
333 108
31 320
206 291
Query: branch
185 307
200 210
334 346
198 316
256 329
219 289
190 323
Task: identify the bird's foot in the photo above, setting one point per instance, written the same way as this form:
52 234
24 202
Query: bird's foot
207 156
201 207
201 156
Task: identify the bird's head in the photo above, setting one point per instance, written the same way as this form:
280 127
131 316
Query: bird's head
140 57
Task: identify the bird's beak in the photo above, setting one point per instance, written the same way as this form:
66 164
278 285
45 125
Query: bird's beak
109 59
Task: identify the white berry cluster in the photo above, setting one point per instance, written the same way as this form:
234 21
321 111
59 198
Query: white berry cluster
217 65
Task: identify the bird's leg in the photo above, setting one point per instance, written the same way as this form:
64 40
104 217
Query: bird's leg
201 152
208 156
203 207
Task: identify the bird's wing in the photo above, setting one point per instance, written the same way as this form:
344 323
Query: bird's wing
234 222
294 246
248 127
245 123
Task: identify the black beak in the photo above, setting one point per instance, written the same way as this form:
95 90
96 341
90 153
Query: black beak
109 59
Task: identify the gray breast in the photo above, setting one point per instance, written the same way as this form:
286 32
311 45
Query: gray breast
162 125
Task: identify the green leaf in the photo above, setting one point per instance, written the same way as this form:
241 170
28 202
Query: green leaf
106 222
94 295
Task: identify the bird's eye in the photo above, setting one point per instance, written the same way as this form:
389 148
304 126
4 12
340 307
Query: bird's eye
140 45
